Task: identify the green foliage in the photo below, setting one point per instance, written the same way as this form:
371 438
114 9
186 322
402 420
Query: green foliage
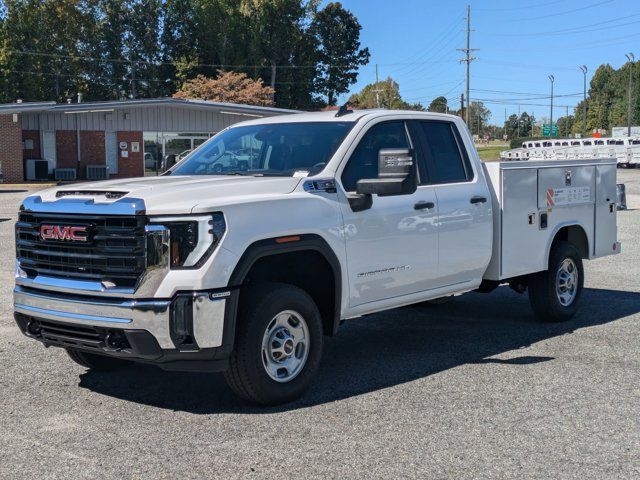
607 102
565 126
479 116
52 49
438 105
384 94
337 32
524 129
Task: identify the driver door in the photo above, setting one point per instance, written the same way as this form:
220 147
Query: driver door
392 247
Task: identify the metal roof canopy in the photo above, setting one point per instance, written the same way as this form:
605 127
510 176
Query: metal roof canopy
90 107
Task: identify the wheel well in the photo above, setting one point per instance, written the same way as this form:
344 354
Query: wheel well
576 235
305 269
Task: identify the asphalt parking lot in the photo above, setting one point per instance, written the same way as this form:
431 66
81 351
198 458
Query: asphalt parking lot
475 388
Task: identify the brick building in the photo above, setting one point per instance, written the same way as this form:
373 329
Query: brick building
108 139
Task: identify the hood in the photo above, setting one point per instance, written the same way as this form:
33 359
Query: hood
173 194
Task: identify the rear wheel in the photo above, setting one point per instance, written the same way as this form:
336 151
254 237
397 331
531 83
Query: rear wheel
278 345
95 362
554 294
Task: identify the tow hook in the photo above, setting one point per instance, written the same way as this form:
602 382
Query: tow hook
115 341
33 328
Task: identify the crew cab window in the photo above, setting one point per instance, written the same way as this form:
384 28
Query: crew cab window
442 157
364 160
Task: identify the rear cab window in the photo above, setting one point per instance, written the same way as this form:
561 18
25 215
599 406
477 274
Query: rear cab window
441 155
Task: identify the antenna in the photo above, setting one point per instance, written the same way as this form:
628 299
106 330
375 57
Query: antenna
344 110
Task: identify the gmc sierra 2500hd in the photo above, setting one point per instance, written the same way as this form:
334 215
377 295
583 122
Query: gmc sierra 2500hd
262 241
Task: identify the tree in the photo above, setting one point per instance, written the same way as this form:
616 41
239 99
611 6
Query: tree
230 87
439 105
386 93
565 125
479 115
53 49
337 33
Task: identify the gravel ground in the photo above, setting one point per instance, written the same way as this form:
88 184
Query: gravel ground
470 389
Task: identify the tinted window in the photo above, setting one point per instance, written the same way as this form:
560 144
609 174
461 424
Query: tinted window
441 155
279 149
364 160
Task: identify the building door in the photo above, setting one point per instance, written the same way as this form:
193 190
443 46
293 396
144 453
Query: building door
49 148
111 152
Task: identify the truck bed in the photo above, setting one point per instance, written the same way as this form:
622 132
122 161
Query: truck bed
533 200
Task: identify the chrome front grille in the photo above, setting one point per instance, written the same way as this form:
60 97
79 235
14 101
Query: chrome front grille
114 252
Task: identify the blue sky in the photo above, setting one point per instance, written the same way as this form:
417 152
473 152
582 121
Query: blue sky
520 43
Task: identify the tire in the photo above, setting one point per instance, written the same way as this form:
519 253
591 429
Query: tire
92 361
554 294
268 365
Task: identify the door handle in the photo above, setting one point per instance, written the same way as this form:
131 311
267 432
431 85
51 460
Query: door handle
478 199
424 205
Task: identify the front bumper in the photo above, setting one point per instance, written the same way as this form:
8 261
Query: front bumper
152 330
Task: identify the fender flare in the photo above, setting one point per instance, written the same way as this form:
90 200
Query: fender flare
557 229
307 242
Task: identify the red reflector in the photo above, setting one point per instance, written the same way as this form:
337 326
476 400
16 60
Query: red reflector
294 238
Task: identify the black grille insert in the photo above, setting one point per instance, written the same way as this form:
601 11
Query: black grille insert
114 252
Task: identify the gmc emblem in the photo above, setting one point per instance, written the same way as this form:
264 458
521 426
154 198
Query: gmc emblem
56 232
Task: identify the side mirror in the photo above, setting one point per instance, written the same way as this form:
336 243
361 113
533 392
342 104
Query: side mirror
396 174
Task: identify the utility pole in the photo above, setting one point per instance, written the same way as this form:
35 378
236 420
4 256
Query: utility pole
566 124
553 79
518 121
631 59
462 105
468 59
273 80
583 68
377 91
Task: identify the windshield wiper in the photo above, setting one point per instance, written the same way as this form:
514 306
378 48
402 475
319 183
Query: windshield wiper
243 174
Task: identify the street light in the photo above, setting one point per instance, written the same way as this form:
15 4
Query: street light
631 59
584 101
553 79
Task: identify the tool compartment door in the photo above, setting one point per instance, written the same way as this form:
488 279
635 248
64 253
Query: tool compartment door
606 222
570 186
522 241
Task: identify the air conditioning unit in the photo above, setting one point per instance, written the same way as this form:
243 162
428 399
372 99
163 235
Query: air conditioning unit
37 169
65 174
97 172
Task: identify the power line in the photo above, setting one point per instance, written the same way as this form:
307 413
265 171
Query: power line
451 29
580 29
527 7
159 63
557 14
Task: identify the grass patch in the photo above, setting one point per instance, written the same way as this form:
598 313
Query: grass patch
491 153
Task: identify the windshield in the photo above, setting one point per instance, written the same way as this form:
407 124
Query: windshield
275 149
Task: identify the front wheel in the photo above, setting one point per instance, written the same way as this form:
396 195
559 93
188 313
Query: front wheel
554 294
278 344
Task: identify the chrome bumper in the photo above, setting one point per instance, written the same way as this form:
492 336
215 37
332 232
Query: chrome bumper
150 315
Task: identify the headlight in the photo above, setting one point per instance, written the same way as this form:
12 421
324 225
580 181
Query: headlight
192 239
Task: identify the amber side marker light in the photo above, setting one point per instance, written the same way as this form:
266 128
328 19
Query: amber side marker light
294 238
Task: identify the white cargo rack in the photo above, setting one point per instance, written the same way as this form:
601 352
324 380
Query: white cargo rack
534 199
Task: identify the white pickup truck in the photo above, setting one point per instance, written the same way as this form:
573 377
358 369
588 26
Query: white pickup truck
262 241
